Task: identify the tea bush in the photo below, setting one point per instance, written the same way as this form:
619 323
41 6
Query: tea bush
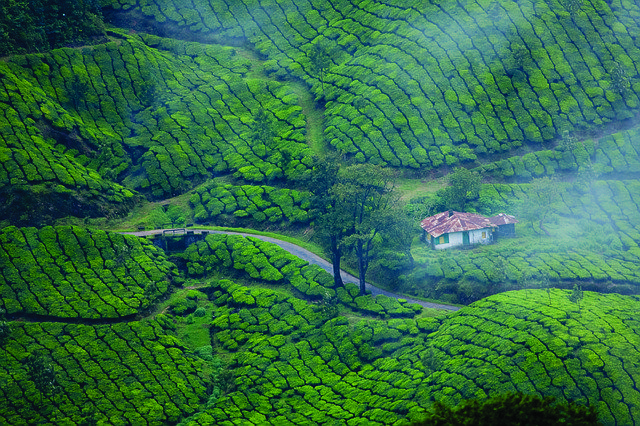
71 272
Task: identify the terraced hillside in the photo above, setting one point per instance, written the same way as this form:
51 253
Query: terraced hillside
153 114
70 272
216 112
424 84
539 342
295 357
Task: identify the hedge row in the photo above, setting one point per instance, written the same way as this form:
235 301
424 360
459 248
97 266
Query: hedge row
32 166
534 342
261 203
423 86
120 374
70 272
294 366
615 153
265 261
157 114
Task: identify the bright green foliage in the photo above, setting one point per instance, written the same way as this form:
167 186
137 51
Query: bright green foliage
265 261
41 177
293 366
518 342
418 84
611 153
120 374
70 272
155 114
214 203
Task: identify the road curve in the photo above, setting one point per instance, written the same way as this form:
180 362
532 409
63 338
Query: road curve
303 254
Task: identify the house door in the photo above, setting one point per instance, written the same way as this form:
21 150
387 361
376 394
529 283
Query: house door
465 238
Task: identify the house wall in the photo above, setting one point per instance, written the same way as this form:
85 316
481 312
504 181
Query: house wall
475 237
455 239
480 236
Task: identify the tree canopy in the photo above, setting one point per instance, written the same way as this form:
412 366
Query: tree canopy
511 409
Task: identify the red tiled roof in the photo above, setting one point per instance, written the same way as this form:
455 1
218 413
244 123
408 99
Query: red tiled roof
502 219
450 221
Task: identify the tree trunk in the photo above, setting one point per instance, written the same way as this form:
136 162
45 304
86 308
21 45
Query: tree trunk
336 254
544 229
362 267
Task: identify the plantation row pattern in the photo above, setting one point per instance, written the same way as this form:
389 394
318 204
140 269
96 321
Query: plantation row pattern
120 374
265 261
71 272
30 162
292 365
615 153
534 342
260 203
417 85
155 113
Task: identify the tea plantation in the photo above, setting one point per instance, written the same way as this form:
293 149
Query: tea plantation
125 114
423 84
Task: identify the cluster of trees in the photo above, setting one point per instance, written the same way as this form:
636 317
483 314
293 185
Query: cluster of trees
41 25
511 409
357 210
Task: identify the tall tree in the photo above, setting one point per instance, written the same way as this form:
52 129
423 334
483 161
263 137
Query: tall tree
5 329
41 373
542 195
328 225
369 211
320 58
464 186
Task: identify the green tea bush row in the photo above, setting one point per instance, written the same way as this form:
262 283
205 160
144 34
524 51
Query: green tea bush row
158 114
70 272
534 342
265 261
260 203
34 167
120 374
401 88
292 365
614 153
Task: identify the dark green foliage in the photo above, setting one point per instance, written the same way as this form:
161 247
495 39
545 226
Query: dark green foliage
41 373
69 272
511 409
37 26
464 187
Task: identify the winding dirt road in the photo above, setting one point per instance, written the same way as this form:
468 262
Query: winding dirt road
301 253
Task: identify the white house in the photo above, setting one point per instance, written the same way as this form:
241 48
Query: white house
451 229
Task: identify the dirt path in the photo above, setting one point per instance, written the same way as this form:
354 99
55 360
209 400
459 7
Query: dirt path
309 257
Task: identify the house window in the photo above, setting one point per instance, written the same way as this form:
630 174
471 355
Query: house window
444 239
484 234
